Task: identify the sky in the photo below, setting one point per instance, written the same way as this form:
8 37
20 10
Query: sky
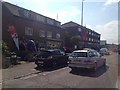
98 15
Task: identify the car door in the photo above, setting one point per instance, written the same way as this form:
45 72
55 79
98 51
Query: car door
101 59
98 58
95 58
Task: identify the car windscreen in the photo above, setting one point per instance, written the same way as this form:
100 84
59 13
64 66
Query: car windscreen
79 54
44 54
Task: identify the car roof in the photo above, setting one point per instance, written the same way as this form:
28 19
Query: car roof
80 51
83 50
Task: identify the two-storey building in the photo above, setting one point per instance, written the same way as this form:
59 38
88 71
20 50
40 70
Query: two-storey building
87 37
30 25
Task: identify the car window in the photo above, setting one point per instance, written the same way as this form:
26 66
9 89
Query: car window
62 53
79 54
56 52
44 54
92 54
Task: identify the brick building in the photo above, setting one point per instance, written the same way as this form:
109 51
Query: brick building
87 38
30 25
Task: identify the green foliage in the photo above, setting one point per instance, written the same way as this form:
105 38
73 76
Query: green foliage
5 49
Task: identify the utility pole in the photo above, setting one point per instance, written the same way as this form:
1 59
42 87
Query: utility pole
57 16
82 14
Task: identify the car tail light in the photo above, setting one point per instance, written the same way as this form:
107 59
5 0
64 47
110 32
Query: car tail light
69 61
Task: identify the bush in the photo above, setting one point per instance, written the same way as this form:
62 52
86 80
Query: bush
5 55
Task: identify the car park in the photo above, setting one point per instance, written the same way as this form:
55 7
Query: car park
90 59
104 51
51 58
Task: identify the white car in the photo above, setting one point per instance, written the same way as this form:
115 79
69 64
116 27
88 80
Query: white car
104 51
90 59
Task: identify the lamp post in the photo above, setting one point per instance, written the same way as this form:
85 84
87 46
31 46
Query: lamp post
82 14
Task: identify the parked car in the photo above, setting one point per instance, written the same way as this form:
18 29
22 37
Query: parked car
90 59
51 58
104 51
118 51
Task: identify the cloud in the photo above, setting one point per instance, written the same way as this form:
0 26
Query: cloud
69 13
109 2
109 31
89 26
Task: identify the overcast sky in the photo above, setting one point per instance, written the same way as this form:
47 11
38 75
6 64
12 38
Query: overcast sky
99 15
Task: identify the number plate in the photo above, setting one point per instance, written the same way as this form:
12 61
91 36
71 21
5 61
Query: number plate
77 60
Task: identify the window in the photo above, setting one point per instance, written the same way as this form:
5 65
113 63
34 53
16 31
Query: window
58 24
26 13
40 18
92 39
79 54
89 39
28 31
89 32
49 34
58 36
50 21
93 54
42 33
79 29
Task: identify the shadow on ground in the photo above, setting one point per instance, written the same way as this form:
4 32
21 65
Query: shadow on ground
43 69
89 73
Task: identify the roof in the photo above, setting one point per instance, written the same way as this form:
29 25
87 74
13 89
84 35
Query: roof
15 10
74 24
71 23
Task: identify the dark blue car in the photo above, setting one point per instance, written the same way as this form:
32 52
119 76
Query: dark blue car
51 58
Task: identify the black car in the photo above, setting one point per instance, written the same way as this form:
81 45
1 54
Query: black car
51 58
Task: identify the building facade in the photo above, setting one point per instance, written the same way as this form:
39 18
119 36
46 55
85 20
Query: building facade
27 24
86 38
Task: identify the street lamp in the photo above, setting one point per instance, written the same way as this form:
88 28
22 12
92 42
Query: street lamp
82 14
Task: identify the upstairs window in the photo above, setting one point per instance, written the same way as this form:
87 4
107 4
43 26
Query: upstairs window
28 31
57 36
50 21
49 34
42 33
79 29
40 18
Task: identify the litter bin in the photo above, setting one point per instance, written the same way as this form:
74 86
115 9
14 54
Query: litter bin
13 58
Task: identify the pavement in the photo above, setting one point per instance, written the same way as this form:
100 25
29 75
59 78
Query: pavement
19 71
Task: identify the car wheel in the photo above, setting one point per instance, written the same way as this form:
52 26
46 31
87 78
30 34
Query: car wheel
73 69
38 65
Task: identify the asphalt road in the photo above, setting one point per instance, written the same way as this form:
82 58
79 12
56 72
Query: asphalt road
64 77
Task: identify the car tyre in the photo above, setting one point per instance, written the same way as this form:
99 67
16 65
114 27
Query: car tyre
73 69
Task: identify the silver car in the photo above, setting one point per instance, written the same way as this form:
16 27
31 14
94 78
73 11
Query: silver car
90 59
